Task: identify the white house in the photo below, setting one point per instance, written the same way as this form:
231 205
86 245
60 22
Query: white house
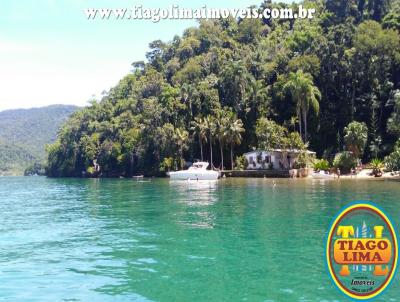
276 159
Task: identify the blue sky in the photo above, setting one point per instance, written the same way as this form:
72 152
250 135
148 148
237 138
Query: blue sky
51 54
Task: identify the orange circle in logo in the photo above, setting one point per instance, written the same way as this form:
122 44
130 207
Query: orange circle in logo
362 251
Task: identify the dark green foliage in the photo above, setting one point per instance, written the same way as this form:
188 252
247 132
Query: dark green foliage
24 134
241 162
270 136
393 123
392 19
345 161
355 137
392 161
321 165
304 79
36 169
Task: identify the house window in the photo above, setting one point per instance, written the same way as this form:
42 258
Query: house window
267 159
259 158
251 159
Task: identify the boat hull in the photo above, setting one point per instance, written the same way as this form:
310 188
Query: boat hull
198 175
322 176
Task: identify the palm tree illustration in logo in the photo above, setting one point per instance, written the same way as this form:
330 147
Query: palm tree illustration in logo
362 231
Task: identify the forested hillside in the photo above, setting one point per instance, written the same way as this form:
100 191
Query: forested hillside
24 134
228 86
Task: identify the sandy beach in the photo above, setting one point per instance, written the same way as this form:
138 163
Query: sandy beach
367 174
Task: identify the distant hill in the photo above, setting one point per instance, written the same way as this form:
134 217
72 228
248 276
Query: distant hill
24 134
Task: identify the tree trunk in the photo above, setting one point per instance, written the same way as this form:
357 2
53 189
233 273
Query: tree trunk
131 164
353 94
189 102
222 155
300 128
181 158
232 163
305 126
191 110
211 159
201 149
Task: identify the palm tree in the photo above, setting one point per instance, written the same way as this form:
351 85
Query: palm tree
303 91
181 137
356 136
259 97
377 166
236 81
187 94
233 133
221 124
199 127
209 127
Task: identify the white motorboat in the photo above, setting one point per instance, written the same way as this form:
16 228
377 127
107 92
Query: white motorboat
322 175
198 171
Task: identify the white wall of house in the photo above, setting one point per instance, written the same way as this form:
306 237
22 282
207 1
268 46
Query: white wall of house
262 160
271 159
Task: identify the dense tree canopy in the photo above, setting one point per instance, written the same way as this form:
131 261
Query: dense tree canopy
227 84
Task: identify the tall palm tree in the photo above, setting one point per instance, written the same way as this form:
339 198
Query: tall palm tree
187 94
209 126
305 94
199 127
259 100
221 123
236 81
233 133
181 137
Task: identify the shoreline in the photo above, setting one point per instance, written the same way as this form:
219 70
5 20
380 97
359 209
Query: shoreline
363 175
366 174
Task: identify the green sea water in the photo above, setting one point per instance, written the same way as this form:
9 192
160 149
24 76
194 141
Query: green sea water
123 240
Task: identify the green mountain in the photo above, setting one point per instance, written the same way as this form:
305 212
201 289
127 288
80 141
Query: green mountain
24 134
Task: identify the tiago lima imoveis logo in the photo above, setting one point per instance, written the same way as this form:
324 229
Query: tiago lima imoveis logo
362 251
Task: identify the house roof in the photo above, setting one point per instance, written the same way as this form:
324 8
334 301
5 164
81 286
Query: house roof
279 151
